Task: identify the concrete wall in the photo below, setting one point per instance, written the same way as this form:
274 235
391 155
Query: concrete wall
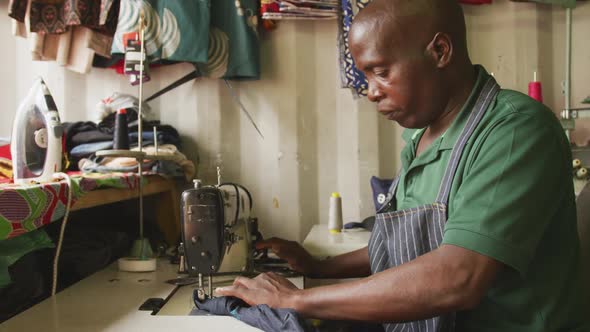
318 139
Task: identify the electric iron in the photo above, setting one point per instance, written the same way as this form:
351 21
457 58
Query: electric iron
37 132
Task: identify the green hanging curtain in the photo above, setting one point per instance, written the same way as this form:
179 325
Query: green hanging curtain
219 37
233 41
175 30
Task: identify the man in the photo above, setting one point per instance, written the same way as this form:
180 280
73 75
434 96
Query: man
480 230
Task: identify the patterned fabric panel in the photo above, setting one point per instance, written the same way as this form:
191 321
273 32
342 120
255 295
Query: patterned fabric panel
234 51
26 208
17 9
350 76
56 16
175 30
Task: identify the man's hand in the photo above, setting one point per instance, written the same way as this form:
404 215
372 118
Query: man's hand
354 264
267 288
295 255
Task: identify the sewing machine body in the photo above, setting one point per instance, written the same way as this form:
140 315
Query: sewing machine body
218 234
217 229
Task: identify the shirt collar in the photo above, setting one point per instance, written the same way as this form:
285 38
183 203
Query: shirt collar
408 134
452 134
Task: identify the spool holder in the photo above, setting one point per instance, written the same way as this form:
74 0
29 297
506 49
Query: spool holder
141 247
569 115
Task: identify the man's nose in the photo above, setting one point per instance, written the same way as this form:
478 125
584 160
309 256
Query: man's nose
373 93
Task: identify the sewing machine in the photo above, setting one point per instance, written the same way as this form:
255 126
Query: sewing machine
218 233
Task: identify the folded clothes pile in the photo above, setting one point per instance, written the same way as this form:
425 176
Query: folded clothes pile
300 9
172 163
84 139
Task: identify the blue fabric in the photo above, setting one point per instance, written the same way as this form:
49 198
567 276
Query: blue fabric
84 150
169 168
260 316
350 76
380 188
87 149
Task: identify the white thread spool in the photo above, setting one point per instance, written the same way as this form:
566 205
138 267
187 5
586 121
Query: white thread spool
582 173
576 163
133 264
335 214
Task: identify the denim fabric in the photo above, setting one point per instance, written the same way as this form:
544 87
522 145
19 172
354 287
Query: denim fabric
169 168
85 150
380 188
260 316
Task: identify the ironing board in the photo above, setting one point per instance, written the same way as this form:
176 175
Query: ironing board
26 208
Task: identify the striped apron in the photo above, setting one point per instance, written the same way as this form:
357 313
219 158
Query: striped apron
401 236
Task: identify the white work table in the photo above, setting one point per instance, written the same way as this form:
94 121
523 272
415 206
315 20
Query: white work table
109 300
182 304
321 243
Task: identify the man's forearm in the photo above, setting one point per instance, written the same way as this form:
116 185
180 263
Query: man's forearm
354 264
428 286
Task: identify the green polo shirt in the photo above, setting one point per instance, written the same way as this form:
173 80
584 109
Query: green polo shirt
512 199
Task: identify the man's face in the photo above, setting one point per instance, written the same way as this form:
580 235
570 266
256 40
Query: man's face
403 82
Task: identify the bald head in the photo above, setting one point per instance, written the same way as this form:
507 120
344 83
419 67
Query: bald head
414 56
411 24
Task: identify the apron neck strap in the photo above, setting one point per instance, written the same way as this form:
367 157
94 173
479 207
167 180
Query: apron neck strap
390 192
487 94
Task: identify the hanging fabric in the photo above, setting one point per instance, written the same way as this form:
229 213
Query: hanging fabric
54 17
175 30
234 47
350 76
69 32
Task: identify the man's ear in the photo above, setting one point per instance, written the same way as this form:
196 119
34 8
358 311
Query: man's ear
440 49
